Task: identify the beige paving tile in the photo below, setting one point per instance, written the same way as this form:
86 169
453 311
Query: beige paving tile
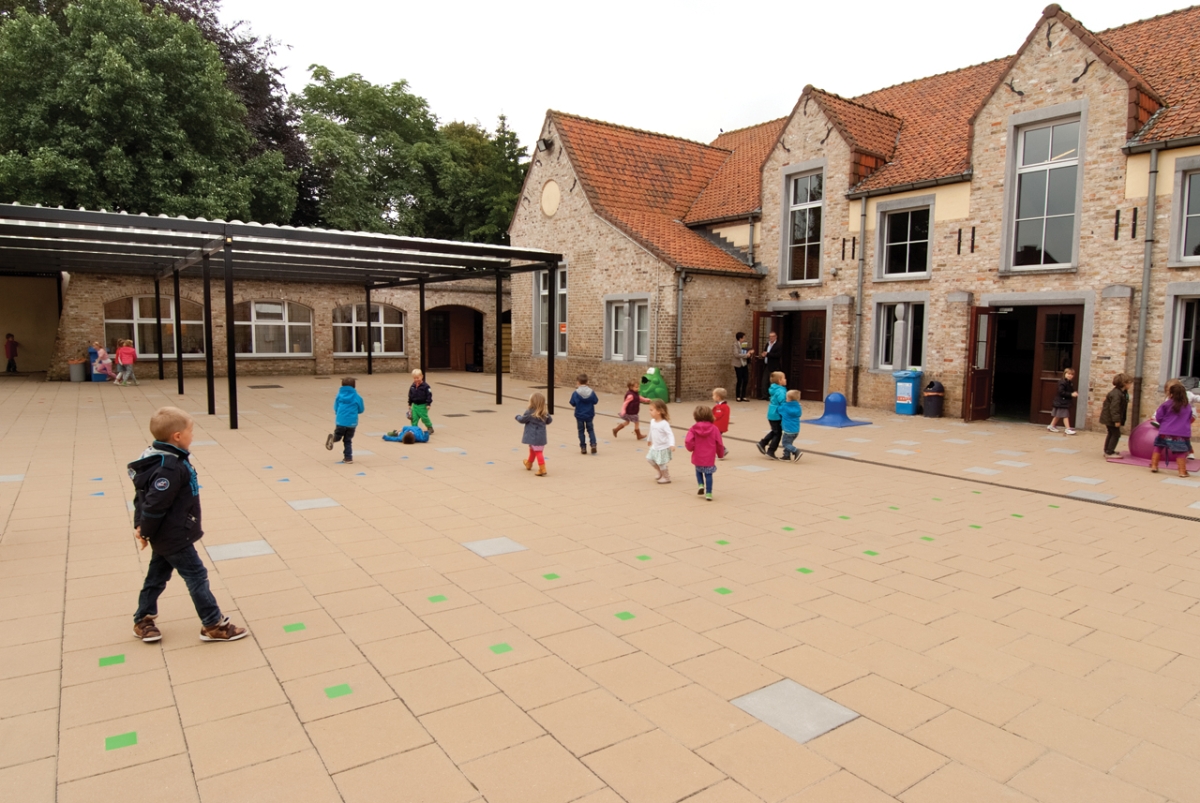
227 696
877 755
652 768
117 697
297 778
83 666
671 643
408 652
726 673
29 659
1058 779
694 715
1072 735
635 677
365 735
540 681
425 774
460 623
813 668
1083 696
378 625
546 620
700 615
441 686
973 742
897 663
1118 648
540 771
724 792
293 661
888 703
766 762
1163 771
480 727
33 782
955 783
972 656
1054 655
586 645
590 721
82 753
966 692
324 695
832 637
211 660
241 741
1162 727
841 787
28 737
1158 688
144 783
511 597
498 649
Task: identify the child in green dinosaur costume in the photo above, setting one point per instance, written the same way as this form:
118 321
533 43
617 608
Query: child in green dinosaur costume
654 386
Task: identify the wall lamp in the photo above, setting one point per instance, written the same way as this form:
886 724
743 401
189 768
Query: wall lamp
795 294
544 145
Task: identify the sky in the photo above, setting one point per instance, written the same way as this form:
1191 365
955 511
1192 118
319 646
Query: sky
690 69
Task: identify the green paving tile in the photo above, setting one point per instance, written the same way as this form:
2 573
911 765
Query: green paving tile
292 628
112 660
1017 516
1054 506
550 576
847 518
643 557
120 740
803 570
926 538
870 552
438 598
892 507
500 649
975 526
723 543
338 691
976 492
789 529
937 498
722 591
624 616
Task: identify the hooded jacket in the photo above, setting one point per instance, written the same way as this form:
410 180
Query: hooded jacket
166 502
584 401
535 428
347 405
789 415
704 442
778 395
420 393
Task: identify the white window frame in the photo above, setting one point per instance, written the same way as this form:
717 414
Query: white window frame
789 175
541 288
377 326
806 206
900 329
168 322
286 323
1182 335
1187 173
621 330
884 211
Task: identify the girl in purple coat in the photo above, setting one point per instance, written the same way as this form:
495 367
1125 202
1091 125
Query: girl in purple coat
1174 417
704 442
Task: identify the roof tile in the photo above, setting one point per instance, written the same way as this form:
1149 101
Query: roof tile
736 190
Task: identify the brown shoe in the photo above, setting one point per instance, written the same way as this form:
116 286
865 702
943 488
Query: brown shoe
541 472
222 631
146 630
528 464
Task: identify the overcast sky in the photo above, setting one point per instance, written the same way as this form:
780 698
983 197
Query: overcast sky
683 68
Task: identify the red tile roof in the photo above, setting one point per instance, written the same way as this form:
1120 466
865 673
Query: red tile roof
736 190
644 184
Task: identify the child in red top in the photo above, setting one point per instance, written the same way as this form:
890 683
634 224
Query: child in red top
126 357
10 353
630 409
720 411
704 442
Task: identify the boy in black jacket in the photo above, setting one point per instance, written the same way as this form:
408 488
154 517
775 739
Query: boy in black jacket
420 399
166 516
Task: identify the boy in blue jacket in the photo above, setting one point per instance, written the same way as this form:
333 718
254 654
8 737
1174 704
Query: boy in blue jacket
166 517
347 405
789 415
778 394
584 401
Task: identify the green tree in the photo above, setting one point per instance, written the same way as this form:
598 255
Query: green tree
482 182
110 106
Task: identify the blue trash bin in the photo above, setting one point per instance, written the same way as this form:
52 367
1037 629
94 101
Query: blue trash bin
908 386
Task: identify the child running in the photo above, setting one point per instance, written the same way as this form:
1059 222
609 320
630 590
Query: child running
126 357
704 441
535 419
420 399
630 409
166 517
1116 405
584 401
347 406
789 419
1060 407
661 441
778 394
720 411
1174 439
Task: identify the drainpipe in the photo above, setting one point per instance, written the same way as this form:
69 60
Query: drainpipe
680 279
1144 307
751 222
858 303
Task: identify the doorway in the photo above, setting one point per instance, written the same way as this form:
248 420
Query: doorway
455 337
804 341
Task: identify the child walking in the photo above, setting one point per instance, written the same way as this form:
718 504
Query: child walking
166 517
346 406
1174 439
778 394
10 353
661 441
126 357
1116 405
584 401
630 409
420 399
720 411
1060 408
789 419
535 419
704 441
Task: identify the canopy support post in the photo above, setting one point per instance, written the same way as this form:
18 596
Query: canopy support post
230 337
178 336
551 334
421 323
370 342
499 338
158 327
210 379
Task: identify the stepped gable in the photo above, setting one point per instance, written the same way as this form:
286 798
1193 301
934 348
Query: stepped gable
644 184
871 134
736 191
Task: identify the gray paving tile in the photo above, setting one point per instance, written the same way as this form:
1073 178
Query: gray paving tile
1013 463
1182 482
987 472
1092 496
12 477
203 443
795 711
907 443
905 452
494 546
858 440
845 454
1009 453
313 504
753 468
452 450
959 441
1194 506
243 549
1063 451
1083 480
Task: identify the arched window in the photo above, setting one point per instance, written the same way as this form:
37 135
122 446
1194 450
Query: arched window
272 328
350 330
133 319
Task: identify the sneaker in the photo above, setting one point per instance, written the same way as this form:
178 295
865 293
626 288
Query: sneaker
344 462
146 630
761 449
222 631
1068 432
593 448
772 455
1051 429
329 442
700 491
796 455
708 497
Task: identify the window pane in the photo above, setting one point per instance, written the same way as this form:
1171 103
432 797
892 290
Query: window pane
146 342
799 225
146 308
919 227
562 281
1066 142
1059 233
1060 198
193 338
642 328
241 312
897 258
814 224
1066 328
897 227
916 327
918 257
242 342
1037 146
393 339
122 308
343 314
342 340
268 311
114 332
270 339
360 312
887 330
300 339
1191 237
1029 242
812 266
816 189
1193 191
799 190
1189 352
391 315
190 310
299 312
796 264
1031 194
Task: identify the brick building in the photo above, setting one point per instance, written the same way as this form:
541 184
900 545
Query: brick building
989 226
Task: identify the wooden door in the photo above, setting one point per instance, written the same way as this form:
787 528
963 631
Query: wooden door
439 339
981 365
505 346
806 349
1057 347
764 324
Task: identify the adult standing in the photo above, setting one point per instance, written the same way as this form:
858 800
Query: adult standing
740 359
772 357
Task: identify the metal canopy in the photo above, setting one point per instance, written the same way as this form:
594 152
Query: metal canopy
36 239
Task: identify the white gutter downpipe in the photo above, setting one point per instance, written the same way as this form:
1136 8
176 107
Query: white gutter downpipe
858 304
1144 306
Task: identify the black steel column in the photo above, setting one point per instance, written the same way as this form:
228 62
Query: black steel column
421 323
208 339
370 345
499 338
551 332
230 337
178 336
158 327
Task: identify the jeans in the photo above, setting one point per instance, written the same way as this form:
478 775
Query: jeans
771 441
125 373
11 367
743 379
581 424
345 435
1114 437
788 438
190 568
704 478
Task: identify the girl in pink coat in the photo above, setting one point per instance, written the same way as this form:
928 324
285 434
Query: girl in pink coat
704 442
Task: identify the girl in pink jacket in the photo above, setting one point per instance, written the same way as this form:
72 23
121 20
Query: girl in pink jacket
704 442
126 357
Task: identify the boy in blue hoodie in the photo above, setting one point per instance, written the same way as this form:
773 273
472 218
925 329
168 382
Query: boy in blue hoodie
778 393
789 415
584 401
347 406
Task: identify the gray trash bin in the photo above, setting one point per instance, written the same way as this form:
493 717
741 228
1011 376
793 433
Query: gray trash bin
77 371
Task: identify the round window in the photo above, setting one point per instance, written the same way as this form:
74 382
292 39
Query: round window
550 198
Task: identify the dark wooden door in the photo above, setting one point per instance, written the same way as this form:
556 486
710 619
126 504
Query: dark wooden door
806 349
981 365
764 324
439 339
1057 347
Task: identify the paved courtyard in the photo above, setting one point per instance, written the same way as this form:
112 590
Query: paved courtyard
938 603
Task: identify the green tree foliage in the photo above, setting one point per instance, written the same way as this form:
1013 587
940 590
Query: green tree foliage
482 182
108 106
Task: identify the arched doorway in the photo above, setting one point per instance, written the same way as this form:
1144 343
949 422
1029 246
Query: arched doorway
455 338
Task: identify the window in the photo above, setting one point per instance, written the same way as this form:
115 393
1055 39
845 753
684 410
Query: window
806 194
350 330
133 319
900 337
1189 339
906 249
1047 184
542 311
1191 219
627 325
272 327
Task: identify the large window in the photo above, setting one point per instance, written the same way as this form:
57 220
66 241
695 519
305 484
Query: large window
350 330
1047 195
900 336
133 319
1191 219
1188 362
806 196
906 249
627 330
542 312
273 328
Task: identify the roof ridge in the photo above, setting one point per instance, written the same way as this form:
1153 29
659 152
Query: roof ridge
925 78
854 102
748 127
636 130
1147 19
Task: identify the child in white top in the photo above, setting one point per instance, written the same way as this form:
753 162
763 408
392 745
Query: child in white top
661 441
